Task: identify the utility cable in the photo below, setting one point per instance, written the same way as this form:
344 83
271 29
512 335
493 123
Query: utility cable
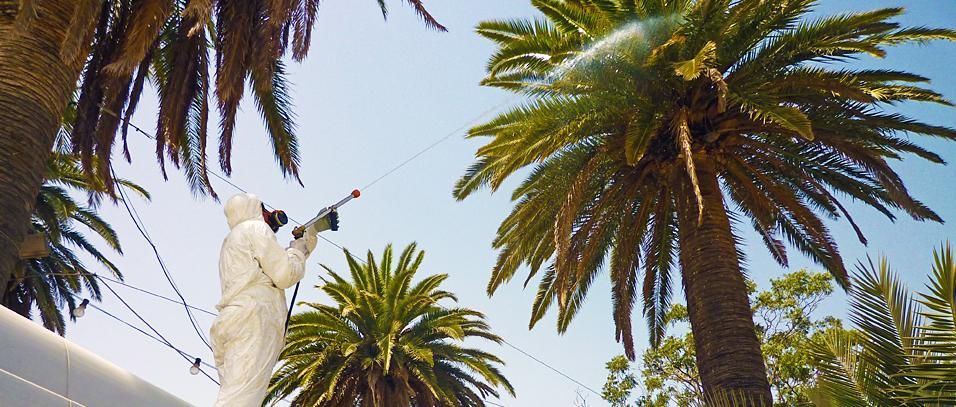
441 140
140 317
151 336
141 227
158 336
551 367
127 285
154 294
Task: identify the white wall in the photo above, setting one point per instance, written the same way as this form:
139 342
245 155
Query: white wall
40 369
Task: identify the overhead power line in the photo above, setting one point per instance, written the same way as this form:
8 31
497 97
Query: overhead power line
141 227
132 287
543 363
147 334
159 337
441 140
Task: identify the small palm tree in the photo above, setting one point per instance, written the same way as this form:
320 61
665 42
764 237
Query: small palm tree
387 342
903 350
657 128
53 282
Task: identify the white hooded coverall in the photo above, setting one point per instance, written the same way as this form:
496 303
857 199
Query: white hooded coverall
254 271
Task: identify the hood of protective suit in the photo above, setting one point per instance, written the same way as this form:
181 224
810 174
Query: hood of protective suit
242 207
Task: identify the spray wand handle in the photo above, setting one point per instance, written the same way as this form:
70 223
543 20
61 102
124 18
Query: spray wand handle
298 232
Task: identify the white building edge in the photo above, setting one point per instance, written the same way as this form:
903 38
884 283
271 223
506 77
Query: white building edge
40 369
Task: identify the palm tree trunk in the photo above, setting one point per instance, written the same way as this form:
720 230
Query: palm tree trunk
728 353
35 87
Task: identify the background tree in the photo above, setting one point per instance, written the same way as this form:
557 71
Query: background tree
387 341
120 46
902 351
621 384
669 371
580 398
52 283
787 327
657 128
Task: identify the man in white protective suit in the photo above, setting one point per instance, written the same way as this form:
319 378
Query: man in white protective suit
254 271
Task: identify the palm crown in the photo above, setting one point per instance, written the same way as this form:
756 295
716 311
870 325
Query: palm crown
387 341
630 96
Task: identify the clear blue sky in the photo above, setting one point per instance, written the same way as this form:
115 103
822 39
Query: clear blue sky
371 94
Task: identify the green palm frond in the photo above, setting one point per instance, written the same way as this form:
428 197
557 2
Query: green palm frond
902 351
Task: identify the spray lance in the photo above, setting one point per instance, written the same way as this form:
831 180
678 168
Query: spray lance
327 219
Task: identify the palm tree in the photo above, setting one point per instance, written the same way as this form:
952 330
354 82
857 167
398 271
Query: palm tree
655 128
53 282
903 350
387 342
120 45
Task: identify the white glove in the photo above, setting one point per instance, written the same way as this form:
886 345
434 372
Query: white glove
305 244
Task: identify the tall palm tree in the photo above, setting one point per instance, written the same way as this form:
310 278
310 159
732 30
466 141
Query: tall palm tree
656 128
120 45
52 283
903 350
387 342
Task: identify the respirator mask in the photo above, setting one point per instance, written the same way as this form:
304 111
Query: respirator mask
275 219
